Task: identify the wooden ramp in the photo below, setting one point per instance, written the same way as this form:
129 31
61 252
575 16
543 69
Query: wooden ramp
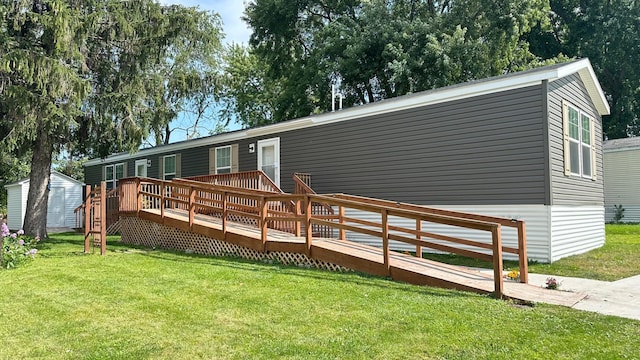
359 257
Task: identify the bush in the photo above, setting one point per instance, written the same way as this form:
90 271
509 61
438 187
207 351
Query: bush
16 248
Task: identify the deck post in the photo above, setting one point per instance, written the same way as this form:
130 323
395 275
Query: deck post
162 201
263 222
103 218
309 232
224 214
522 252
418 237
192 207
385 240
87 217
298 212
343 233
138 196
496 237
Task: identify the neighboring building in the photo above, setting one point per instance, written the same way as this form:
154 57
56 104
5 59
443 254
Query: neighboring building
65 195
622 178
523 145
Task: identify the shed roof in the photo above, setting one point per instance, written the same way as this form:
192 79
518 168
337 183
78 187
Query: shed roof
622 144
53 173
469 89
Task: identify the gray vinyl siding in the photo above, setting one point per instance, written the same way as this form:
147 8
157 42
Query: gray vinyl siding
483 150
572 190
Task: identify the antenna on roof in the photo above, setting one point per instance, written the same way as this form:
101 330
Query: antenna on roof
335 94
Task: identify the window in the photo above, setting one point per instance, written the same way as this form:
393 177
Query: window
141 167
579 147
169 167
223 160
113 173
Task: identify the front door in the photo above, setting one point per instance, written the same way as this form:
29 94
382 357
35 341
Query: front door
269 158
141 168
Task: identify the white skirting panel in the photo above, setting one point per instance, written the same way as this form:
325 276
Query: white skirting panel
536 216
553 232
576 229
631 213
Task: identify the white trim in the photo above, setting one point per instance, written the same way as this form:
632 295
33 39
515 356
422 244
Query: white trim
581 143
455 92
275 142
115 179
164 167
142 162
215 154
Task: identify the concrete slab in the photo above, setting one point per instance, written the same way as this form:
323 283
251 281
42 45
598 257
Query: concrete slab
618 298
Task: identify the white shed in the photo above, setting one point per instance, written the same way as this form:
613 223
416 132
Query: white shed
622 178
65 195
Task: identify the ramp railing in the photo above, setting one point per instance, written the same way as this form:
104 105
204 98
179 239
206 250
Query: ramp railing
268 211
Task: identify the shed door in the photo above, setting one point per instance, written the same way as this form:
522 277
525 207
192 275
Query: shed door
269 158
55 210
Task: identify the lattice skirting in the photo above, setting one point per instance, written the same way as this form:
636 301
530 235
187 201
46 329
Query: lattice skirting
140 232
114 228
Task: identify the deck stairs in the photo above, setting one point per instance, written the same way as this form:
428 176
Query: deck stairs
267 220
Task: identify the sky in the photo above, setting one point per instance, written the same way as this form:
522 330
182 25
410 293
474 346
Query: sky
235 30
230 10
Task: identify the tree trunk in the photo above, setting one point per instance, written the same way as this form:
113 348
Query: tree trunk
35 219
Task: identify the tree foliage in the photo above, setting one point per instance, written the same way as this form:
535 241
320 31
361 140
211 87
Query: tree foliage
608 33
380 49
87 74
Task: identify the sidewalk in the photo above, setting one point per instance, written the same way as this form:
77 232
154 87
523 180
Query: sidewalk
618 298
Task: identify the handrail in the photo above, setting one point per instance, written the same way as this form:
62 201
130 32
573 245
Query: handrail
302 184
519 225
264 209
255 179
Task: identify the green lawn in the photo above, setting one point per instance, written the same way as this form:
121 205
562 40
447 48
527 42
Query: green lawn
139 304
616 260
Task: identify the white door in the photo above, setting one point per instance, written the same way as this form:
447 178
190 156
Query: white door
141 168
269 158
55 207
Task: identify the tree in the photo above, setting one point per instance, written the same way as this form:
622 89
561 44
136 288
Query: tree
248 94
82 73
605 31
380 49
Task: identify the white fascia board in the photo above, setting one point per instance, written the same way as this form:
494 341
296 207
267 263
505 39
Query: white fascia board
585 71
69 178
187 144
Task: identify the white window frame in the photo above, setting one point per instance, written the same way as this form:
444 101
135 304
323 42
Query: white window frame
142 162
112 168
164 166
582 143
230 166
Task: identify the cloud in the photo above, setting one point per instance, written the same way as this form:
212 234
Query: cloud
231 12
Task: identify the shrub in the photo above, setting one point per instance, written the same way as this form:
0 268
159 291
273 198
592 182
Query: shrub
16 248
618 214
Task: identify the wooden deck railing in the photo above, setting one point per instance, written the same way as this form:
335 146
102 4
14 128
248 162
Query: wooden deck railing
112 209
518 225
256 208
302 186
256 180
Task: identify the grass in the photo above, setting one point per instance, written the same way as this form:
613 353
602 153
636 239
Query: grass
142 304
617 259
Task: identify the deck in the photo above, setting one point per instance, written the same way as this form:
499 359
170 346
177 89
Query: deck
359 257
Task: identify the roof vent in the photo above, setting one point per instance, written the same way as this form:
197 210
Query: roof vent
335 94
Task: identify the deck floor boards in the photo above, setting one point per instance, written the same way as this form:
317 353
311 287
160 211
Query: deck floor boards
370 259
